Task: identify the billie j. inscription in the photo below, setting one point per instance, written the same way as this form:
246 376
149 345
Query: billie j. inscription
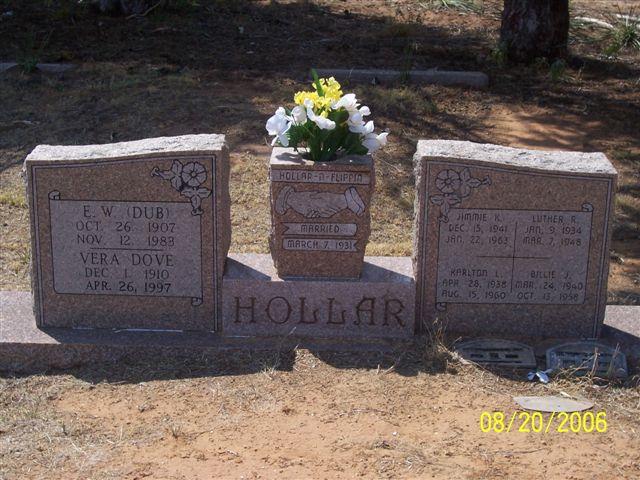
126 248
511 241
130 235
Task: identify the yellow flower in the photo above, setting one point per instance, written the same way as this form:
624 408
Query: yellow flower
332 89
332 93
300 97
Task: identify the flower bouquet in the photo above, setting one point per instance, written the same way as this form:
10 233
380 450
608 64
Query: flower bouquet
326 123
321 183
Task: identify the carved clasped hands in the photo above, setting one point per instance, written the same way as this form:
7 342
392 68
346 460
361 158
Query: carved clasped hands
312 204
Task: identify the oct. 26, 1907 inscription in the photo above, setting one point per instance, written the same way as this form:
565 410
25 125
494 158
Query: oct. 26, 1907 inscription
126 248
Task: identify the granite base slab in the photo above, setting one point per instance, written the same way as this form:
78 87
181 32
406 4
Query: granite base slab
26 348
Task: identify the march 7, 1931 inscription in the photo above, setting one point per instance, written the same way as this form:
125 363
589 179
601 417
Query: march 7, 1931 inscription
126 248
513 256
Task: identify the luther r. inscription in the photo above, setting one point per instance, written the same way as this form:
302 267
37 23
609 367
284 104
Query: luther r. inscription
126 248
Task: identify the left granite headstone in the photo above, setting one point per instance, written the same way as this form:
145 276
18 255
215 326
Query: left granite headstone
129 235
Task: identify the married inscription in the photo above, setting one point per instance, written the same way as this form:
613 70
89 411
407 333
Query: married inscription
126 248
513 256
337 229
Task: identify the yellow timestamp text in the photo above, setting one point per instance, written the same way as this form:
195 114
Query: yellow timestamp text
535 422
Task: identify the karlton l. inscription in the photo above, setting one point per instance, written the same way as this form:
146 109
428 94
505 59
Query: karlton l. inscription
513 256
126 248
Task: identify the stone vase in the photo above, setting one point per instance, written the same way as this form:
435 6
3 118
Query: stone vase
320 214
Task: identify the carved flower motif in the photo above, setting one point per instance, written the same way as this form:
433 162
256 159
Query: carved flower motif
467 182
194 174
195 196
455 186
174 175
448 181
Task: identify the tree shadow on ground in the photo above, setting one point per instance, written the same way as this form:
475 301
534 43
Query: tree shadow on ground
234 35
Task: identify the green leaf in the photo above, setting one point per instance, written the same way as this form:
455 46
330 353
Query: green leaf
339 116
316 82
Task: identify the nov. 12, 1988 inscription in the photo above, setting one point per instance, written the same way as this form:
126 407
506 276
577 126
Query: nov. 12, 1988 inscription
126 248
513 256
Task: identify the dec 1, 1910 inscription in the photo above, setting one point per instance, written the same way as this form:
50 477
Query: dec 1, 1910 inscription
513 256
126 248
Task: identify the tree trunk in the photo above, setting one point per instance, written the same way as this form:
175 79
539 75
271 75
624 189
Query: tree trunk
534 28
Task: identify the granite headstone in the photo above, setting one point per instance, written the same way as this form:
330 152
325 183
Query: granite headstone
129 235
512 241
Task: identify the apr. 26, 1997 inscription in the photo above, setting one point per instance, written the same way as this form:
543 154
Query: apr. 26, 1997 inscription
126 248
513 256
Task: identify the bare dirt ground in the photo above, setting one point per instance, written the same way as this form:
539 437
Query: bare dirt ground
224 66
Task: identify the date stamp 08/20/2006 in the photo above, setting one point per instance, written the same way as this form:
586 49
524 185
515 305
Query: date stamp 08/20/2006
536 422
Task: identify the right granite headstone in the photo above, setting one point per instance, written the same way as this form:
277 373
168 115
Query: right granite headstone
511 241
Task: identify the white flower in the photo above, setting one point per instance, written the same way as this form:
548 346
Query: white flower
362 128
348 101
319 120
373 142
356 119
278 125
299 115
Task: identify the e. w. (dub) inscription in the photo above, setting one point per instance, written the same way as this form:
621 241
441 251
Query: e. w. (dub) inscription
513 256
126 248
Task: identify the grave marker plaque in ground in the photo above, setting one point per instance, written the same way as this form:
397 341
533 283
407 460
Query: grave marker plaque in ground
512 241
129 235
